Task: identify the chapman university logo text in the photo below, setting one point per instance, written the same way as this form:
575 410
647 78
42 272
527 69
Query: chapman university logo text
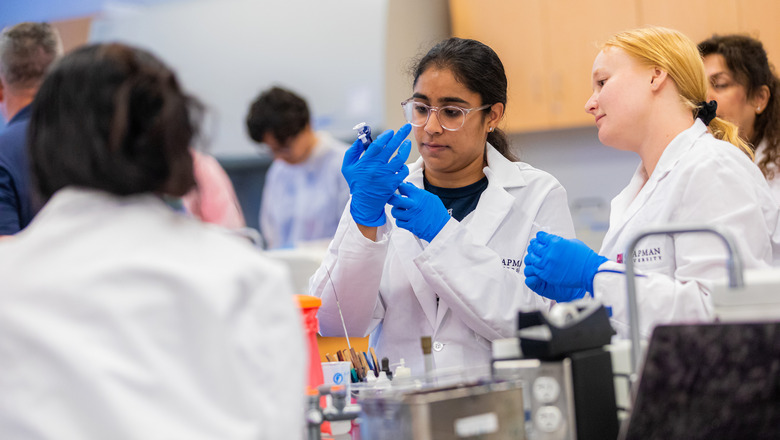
512 264
644 255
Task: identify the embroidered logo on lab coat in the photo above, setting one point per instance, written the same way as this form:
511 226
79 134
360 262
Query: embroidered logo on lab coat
646 255
512 264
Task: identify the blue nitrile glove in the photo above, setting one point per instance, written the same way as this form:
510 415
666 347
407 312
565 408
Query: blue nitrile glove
557 293
418 211
374 176
562 262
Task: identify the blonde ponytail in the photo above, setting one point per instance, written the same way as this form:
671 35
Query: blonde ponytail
726 131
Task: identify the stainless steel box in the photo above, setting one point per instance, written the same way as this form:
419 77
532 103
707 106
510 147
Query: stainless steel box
492 411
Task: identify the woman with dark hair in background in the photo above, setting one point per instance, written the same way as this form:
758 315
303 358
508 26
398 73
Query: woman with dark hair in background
120 318
445 260
746 88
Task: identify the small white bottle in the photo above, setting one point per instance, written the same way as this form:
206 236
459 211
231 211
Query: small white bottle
382 382
402 370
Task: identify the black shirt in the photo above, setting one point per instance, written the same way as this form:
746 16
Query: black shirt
459 201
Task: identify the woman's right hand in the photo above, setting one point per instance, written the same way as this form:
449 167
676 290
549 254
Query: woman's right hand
373 176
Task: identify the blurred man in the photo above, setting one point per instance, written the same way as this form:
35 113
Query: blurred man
304 192
26 51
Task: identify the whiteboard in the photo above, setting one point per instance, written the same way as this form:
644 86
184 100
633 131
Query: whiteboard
226 52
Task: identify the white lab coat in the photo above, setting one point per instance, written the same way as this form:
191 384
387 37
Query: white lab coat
774 183
388 288
303 202
698 180
120 319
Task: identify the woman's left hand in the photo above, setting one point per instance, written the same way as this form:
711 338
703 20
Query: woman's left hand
418 211
558 261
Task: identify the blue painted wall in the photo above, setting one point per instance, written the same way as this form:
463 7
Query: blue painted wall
15 11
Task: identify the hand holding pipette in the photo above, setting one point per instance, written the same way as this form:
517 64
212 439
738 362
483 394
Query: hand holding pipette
374 174
364 134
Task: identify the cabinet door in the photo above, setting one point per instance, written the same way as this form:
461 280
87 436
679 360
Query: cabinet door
514 29
74 32
698 19
761 19
576 29
547 47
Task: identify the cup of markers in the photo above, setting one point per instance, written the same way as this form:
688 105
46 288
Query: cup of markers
363 364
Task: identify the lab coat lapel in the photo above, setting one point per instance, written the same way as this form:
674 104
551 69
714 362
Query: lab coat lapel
408 248
625 205
495 202
494 205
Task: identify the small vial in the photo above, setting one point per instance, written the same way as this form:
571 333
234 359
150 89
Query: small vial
425 342
364 133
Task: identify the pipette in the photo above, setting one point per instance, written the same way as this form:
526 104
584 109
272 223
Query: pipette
338 305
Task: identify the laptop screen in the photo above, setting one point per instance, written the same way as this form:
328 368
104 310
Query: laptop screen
709 381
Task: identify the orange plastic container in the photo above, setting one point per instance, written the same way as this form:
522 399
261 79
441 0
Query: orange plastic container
309 306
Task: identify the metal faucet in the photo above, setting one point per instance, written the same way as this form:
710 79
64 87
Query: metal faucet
315 414
733 265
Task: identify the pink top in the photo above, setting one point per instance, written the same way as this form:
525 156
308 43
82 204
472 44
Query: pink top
214 200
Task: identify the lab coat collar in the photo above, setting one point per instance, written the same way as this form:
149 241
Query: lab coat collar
681 144
504 171
74 201
626 204
495 202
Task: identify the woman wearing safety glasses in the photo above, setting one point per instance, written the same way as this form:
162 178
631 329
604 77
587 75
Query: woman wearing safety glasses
442 256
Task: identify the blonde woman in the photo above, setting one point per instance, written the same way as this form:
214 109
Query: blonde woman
649 90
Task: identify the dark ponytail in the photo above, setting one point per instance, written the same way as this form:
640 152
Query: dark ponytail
478 67
499 140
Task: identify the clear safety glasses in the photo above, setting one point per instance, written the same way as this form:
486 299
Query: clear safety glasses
450 117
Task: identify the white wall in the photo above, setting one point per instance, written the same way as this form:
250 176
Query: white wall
226 52
347 58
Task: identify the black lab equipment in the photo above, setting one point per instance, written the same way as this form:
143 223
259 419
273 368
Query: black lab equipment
709 381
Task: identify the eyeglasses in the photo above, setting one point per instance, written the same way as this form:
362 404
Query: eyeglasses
450 117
